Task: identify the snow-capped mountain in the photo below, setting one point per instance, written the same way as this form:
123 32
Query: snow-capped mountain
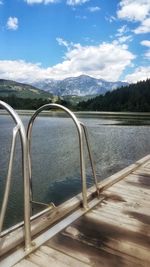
81 86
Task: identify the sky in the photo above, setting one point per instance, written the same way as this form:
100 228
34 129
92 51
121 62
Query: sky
56 39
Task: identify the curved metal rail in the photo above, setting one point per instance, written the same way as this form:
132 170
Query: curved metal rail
19 128
90 156
79 130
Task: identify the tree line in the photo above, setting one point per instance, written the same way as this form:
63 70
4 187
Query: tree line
135 97
24 103
31 103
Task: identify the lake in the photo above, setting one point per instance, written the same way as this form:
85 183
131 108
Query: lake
117 140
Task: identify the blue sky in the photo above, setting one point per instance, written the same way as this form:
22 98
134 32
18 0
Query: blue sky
44 39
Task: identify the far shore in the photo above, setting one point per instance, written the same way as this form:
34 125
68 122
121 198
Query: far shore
81 113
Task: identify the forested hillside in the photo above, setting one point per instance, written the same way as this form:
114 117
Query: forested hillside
135 97
23 96
21 90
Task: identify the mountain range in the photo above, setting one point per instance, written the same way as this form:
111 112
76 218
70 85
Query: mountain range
82 85
74 88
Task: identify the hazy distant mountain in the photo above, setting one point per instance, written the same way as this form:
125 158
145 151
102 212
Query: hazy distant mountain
8 88
81 86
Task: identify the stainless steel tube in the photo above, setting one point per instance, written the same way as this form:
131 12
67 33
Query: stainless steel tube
79 130
8 179
90 156
25 171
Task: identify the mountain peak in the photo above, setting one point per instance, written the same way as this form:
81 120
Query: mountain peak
82 85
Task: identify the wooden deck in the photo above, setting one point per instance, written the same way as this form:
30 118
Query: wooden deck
115 232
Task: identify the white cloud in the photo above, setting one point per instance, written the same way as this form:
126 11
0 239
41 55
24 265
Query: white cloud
144 27
20 70
107 60
147 54
133 10
122 30
136 10
62 42
145 43
30 2
12 23
139 74
68 2
76 2
124 39
94 8
110 18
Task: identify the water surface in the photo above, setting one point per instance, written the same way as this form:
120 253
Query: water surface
116 143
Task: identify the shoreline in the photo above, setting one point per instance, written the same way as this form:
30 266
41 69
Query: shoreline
81 113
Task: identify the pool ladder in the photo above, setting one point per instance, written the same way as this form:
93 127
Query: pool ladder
27 168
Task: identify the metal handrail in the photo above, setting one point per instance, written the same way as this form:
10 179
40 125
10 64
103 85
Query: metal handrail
79 130
90 156
18 128
8 179
26 164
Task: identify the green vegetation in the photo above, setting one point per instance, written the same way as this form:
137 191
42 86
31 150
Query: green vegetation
135 97
23 96
20 90
25 103
73 100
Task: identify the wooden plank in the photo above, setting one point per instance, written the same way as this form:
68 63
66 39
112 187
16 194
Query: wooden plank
46 257
133 214
130 186
44 260
87 250
147 165
119 221
144 170
25 263
124 197
134 211
59 256
113 195
120 195
134 184
131 191
96 257
101 231
120 192
122 174
139 180
122 222
109 243
127 198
